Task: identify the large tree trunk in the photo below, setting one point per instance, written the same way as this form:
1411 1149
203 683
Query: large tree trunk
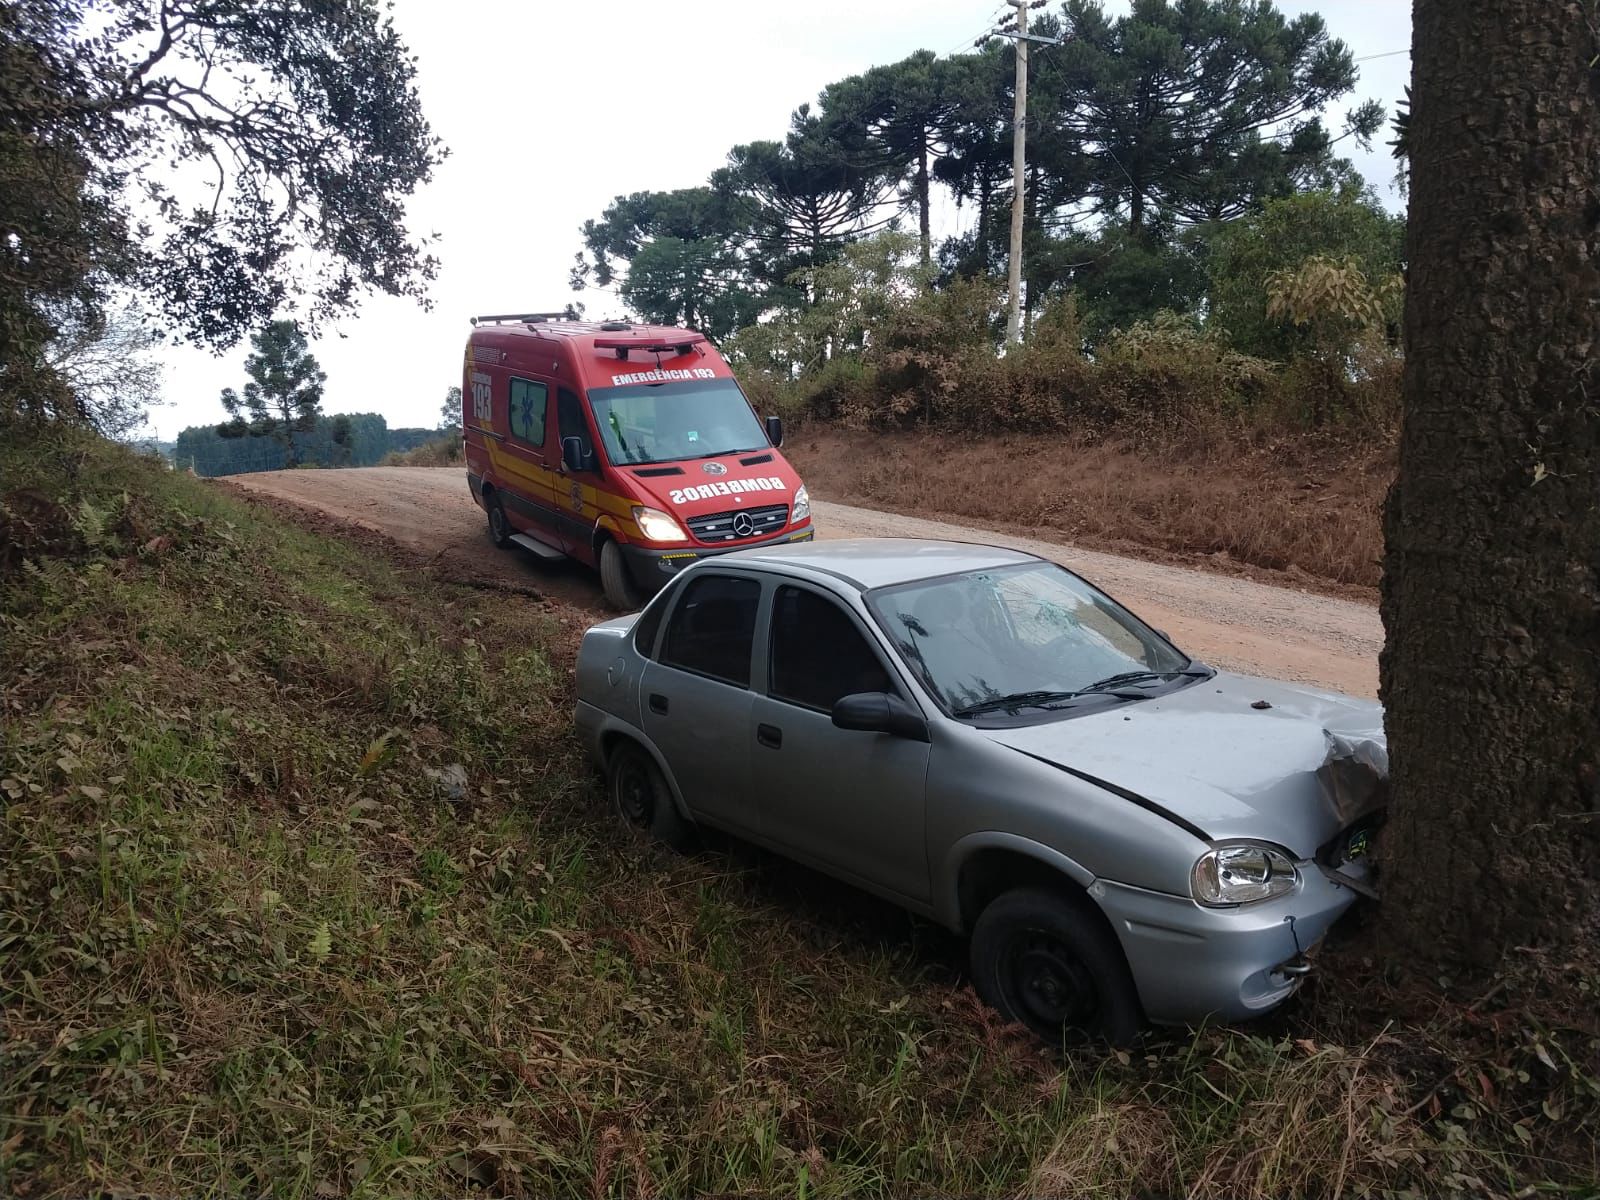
1491 602
985 187
291 448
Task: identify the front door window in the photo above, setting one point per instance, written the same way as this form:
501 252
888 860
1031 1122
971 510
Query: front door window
818 654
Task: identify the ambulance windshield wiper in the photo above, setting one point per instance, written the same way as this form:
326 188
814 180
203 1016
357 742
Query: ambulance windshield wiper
719 453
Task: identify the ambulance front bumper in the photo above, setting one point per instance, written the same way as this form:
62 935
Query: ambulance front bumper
653 569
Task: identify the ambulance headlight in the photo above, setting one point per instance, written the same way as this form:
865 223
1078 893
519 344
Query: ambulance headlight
656 525
802 504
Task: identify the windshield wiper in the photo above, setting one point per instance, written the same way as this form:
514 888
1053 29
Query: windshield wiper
1012 701
1128 677
716 454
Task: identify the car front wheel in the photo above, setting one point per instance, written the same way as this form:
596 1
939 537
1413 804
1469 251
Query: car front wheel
1040 960
642 799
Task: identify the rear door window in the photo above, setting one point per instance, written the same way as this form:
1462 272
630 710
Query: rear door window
713 627
818 653
527 410
649 622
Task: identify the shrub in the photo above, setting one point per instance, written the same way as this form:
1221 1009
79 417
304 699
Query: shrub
441 452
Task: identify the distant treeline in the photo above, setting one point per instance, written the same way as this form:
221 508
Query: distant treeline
202 448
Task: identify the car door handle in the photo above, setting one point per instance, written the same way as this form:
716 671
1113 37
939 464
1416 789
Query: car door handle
769 735
658 703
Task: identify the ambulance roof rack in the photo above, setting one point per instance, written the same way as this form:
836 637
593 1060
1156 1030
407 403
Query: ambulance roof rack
526 318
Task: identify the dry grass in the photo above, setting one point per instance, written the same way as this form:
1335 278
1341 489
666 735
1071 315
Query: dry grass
1287 504
249 948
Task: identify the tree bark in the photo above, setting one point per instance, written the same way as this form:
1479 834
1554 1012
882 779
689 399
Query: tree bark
291 449
985 187
1491 593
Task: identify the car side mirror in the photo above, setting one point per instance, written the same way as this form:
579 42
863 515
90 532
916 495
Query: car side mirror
880 712
775 430
572 455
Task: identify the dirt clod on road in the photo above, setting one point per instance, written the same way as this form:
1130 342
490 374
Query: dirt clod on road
1230 622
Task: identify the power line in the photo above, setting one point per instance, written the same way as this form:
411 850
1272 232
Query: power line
986 31
1385 54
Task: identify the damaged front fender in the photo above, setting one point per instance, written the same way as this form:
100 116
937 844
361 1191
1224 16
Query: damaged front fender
1354 783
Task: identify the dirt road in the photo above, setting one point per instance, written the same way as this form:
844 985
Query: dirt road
1230 622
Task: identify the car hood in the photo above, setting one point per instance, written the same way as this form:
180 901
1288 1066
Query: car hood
1234 756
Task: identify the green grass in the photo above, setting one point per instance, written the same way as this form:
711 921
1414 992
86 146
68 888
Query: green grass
247 948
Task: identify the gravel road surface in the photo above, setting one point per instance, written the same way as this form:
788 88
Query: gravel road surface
1236 623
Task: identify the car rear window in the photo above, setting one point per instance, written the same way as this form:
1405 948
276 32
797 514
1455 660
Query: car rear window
649 622
713 628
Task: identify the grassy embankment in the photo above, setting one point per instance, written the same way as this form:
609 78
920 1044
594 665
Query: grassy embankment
249 946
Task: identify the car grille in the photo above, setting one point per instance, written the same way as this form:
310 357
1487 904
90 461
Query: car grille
719 526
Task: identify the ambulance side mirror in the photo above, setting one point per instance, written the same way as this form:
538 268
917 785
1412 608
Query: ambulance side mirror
775 430
572 456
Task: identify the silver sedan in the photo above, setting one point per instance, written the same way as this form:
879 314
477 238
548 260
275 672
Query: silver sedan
986 739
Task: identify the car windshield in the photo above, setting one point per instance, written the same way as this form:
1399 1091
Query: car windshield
1019 637
661 422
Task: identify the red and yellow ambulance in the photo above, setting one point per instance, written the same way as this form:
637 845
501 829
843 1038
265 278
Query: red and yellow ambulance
627 447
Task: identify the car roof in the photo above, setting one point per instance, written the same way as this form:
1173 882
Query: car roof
867 563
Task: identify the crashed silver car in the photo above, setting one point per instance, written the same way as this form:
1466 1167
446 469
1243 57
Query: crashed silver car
983 737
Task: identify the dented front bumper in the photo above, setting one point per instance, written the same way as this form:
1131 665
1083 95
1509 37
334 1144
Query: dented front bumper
1190 961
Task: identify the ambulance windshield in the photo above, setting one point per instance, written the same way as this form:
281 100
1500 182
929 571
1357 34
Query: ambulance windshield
700 418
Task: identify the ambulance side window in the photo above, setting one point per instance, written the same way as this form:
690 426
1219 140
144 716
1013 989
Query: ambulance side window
569 416
528 403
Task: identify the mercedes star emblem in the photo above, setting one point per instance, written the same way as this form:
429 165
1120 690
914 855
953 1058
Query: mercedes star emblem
743 526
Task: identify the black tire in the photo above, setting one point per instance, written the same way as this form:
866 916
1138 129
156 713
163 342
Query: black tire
499 527
621 592
641 798
1039 959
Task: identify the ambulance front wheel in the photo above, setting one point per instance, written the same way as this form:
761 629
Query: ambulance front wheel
621 591
499 527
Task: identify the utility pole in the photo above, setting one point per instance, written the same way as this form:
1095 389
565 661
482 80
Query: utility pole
1019 137
1019 155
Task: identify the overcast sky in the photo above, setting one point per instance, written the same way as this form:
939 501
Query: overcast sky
551 110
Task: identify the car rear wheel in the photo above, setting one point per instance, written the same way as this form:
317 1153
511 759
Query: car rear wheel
621 591
1040 960
642 799
499 527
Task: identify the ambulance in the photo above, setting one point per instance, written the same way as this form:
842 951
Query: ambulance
629 448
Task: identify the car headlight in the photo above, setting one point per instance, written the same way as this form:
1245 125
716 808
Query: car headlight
802 504
656 525
1242 873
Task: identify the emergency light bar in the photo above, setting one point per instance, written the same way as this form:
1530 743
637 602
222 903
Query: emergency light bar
681 344
550 316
